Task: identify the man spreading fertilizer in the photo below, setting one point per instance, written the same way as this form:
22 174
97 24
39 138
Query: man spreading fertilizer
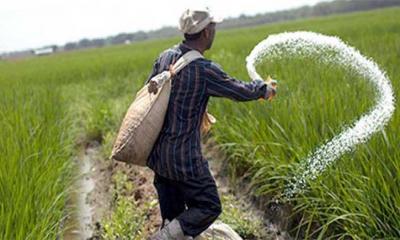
187 192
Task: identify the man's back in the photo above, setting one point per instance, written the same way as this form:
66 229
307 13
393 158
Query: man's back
177 152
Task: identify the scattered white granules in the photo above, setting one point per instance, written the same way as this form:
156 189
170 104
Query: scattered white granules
330 50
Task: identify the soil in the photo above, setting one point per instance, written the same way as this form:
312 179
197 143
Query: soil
276 217
101 199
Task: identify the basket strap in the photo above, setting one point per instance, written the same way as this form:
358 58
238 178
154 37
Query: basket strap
185 60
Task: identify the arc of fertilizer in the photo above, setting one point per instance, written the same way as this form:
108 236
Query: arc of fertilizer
331 50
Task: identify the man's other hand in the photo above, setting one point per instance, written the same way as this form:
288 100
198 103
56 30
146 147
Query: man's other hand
153 87
271 88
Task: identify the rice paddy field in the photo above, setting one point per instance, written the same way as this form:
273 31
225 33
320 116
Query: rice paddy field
51 105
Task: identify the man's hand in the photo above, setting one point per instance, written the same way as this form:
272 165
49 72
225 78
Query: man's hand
158 81
152 88
207 121
271 88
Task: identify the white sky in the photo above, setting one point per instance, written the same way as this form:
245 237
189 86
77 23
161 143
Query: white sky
34 23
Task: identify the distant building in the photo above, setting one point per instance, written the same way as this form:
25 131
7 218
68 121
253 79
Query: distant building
44 51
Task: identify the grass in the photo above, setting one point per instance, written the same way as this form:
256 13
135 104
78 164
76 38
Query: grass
240 219
357 197
50 104
35 156
127 221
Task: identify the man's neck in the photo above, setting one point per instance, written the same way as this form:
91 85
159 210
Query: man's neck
194 45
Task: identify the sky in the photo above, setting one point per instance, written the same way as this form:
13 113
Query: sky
26 24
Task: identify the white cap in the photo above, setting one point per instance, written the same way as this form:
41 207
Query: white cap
193 21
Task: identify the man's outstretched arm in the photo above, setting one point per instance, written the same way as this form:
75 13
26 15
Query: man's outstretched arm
220 84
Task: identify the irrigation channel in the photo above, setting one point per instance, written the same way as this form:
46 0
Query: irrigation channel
79 225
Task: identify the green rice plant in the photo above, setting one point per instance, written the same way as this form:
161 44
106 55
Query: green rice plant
358 196
35 156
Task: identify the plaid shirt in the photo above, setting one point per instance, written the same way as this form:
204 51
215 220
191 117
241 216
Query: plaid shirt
177 152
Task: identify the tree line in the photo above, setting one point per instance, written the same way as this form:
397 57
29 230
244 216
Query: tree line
320 9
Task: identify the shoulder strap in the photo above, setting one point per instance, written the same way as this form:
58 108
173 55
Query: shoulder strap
185 60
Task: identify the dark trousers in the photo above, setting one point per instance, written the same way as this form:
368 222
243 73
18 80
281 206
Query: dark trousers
194 203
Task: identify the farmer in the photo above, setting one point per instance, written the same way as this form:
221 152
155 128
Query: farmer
187 192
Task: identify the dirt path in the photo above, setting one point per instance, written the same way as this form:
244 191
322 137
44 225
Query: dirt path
99 201
274 217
